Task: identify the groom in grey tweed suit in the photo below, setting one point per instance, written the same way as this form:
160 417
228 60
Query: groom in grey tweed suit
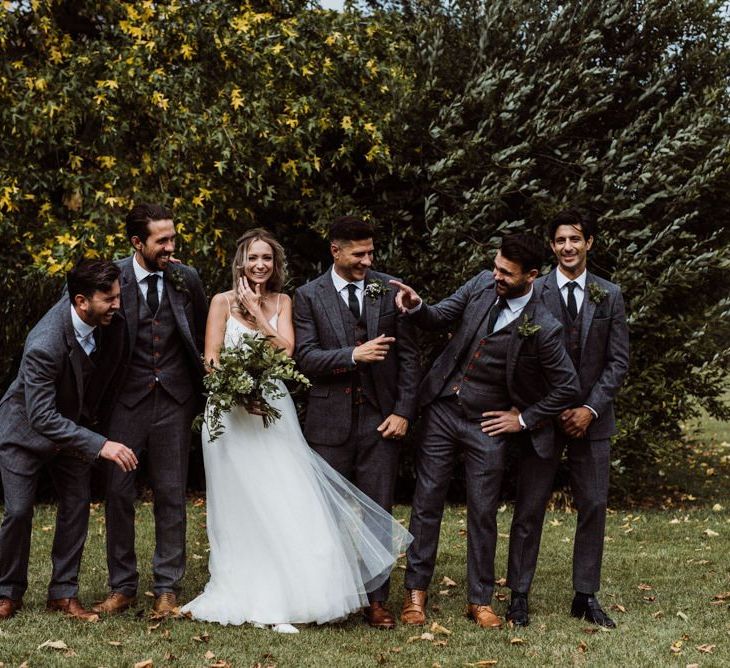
50 417
591 310
159 393
360 355
504 371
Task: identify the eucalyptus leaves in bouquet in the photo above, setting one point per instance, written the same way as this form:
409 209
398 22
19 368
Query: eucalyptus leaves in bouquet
247 373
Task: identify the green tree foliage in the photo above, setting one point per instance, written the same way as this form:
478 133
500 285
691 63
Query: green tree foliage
448 123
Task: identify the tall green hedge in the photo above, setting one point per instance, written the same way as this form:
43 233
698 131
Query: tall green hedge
447 123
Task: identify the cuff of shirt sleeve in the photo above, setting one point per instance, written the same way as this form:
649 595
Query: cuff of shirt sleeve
415 309
522 422
595 415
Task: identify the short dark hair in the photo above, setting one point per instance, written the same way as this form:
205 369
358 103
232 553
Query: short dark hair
525 249
575 218
89 275
141 215
350 228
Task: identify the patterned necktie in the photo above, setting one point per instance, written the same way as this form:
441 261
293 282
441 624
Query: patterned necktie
572 305
494 313
352 301
153 299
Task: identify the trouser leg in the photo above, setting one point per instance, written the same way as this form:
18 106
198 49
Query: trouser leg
71 478
589 463
535 478
15 532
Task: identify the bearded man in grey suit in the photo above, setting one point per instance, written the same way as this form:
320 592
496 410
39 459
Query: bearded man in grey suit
49 417
159 393
361 357
591 310
504 372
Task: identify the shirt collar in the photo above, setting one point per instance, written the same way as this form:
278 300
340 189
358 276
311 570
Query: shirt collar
341 283
563 280
140 272
518 303
81 328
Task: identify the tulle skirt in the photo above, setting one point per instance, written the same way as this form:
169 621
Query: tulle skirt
291 540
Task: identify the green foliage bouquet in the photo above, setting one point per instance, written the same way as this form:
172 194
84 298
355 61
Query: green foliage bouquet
247 373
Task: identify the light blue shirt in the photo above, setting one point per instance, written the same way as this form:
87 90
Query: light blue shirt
83 332
341 287
512 311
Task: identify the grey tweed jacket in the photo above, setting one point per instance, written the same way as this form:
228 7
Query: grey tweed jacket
41 410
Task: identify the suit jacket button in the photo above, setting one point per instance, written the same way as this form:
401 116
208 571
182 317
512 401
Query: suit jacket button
455 388
466 379
482 342
348 390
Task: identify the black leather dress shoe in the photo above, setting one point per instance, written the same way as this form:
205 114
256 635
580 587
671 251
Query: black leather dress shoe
518 614
588 607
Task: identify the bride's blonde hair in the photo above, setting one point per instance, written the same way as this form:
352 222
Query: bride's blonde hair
240 260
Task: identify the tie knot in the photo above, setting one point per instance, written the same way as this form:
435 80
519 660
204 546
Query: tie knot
152 280
352 288
572 285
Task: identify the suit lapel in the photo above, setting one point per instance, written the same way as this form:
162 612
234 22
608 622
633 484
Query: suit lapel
74 354
130 305
515 340
178 308
328 296
587 311
372 311
551 296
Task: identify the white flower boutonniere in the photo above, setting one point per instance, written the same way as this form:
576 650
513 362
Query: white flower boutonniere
376 288
596 293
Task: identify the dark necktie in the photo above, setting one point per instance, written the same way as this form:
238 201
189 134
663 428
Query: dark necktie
153 299
572 305
352 301
494 313
97 344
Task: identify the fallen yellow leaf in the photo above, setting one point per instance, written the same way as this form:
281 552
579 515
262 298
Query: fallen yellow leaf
706 648
437 628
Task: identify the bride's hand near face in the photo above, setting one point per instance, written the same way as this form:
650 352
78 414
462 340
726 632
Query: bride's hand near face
251 300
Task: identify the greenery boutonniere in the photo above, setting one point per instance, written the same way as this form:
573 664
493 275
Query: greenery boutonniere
178 281
596 293
527 327
376 288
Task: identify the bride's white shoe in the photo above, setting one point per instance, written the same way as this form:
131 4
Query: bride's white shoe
284 628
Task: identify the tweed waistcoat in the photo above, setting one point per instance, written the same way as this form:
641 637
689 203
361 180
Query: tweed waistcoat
158 356
356 330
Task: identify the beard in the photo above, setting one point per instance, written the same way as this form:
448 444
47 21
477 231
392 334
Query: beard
155 261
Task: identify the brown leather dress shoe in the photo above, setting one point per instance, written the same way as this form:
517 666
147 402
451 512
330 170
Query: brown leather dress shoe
414 607
72 608
114 603
8 607
165 603
484 616
378 616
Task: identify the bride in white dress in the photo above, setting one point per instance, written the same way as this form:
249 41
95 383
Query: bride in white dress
291 540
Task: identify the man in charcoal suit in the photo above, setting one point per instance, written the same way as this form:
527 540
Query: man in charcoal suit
363 362
49 417
159 392
591 310
504 371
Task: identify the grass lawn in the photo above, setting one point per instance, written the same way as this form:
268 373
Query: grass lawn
663 569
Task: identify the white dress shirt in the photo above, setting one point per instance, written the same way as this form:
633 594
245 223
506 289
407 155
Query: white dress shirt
579 291
341 287
514 307
84 332
141 275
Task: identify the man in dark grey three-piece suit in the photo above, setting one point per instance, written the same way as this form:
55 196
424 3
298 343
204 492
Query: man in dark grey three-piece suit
159 393
49 417
360 355
504 371
591 310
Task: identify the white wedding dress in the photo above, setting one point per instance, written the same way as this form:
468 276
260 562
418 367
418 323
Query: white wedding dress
291 540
